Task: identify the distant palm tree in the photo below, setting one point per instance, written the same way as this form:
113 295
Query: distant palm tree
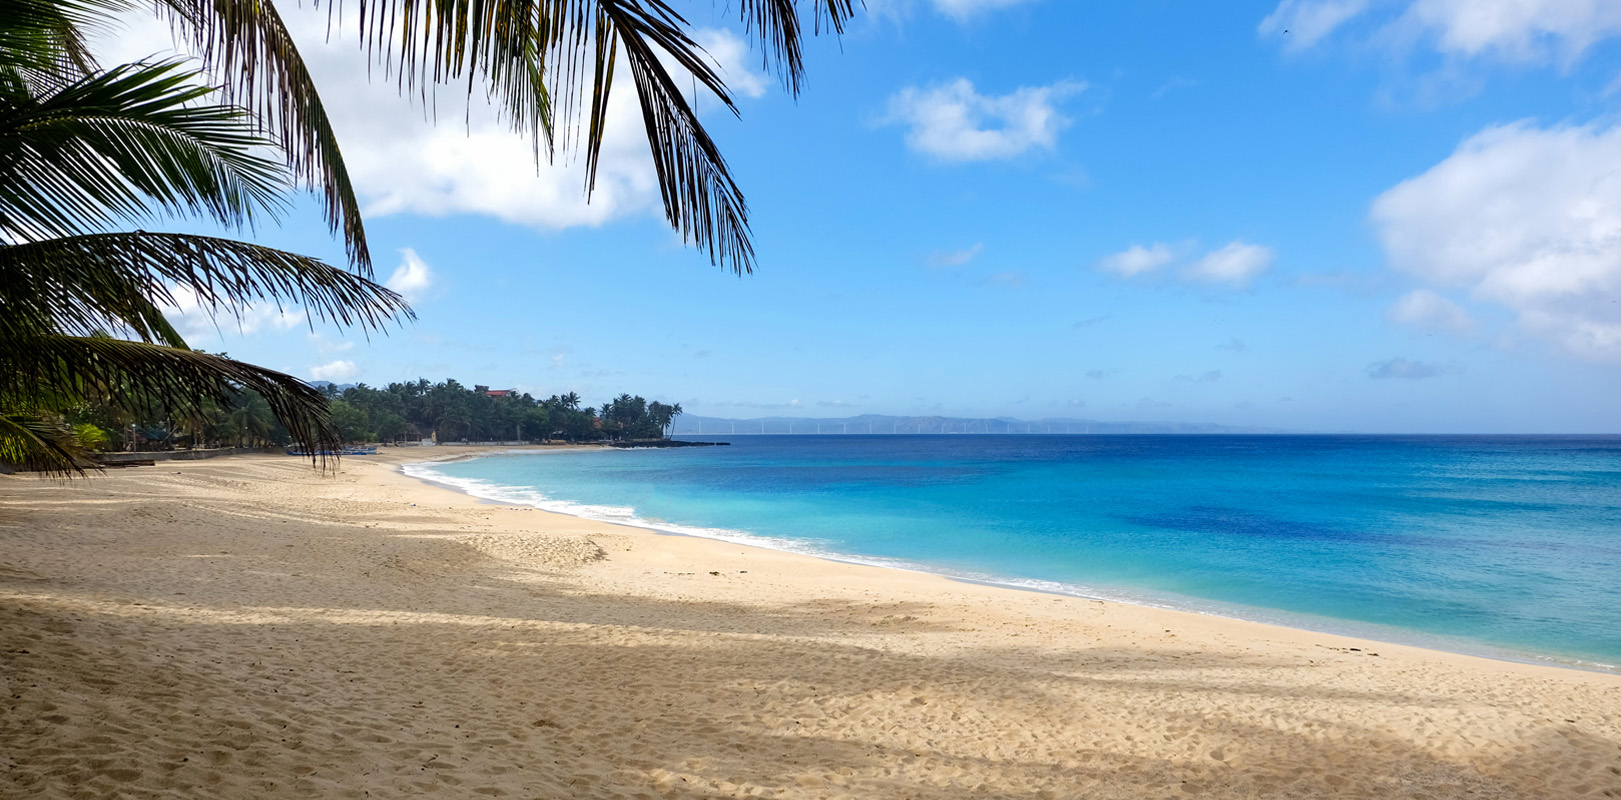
252 420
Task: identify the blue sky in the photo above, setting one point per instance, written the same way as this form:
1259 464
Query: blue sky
1359 215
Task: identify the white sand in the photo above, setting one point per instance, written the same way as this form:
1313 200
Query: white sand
245 628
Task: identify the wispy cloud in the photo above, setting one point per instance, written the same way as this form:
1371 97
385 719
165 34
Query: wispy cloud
1175 83
1233 345
791 404
955 258
1138 260
954 123
412 277
1204 377
1234 265
1303 23
1513 31
965 9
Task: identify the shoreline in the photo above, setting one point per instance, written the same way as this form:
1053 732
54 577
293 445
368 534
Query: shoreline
247 628
1367 632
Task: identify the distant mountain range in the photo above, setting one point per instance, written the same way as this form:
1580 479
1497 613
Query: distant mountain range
875 424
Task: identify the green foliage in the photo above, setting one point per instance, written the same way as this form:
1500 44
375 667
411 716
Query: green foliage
91 437
451 412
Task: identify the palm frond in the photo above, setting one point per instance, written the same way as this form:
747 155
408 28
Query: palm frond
246 45
39 442
701 199
540 53
55 371
124 144
775 25
45 40
87 283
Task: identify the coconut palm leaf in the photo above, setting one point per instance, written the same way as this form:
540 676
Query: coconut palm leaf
44 40
533 57
776 26
126 143
84 284
41 443
52 371
700 197
246 45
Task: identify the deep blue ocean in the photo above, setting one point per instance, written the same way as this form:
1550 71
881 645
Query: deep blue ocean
1498 545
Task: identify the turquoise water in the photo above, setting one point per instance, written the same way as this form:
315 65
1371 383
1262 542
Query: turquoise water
1496 545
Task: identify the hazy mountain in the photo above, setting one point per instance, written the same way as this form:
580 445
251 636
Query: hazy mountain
342 387
875 424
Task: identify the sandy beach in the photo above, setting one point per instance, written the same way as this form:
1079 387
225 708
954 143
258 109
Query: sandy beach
247 627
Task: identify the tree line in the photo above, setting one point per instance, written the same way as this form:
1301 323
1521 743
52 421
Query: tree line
447 411
450 411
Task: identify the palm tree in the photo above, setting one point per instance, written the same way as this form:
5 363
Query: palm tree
251 418
550 65
81 149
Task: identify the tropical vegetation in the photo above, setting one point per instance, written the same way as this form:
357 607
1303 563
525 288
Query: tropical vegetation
448 411
87 152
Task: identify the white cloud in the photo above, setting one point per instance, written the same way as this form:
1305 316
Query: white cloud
1302 23
1137 260
964 9
334 371
955 123
402 160
412 277
199 323
1510 30
897 11
1234 265
1524 217
955 258
730 56
1515 30
1423 308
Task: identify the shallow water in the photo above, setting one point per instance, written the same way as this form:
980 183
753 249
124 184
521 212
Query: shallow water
1496 545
